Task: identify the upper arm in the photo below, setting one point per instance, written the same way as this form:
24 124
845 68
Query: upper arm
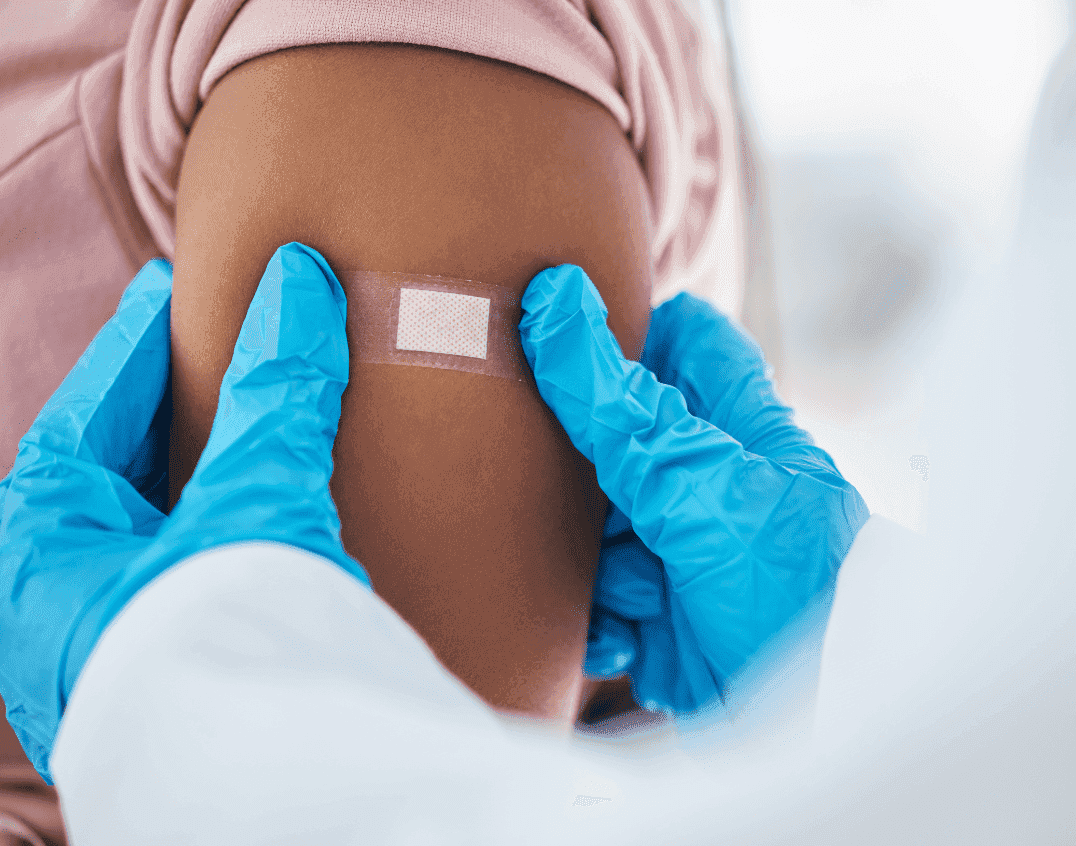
411 159
402 158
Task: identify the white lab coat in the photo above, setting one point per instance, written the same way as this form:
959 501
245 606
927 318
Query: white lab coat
256 693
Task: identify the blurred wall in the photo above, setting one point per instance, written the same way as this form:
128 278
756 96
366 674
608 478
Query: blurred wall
890 138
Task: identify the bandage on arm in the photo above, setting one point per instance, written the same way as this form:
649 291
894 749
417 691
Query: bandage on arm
458 491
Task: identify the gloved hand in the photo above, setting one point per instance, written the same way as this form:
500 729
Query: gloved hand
81 523
727 519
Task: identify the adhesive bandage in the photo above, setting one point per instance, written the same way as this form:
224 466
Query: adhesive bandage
435 321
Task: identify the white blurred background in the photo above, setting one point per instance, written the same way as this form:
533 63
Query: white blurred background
891 139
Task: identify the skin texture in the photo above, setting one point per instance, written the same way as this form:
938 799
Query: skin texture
460 494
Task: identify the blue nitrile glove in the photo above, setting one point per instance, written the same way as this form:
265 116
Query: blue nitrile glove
81 523
727 519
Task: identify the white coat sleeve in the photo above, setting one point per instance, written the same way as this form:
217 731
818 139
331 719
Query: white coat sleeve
256 693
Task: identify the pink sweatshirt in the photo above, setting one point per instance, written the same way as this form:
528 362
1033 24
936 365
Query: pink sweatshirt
97 97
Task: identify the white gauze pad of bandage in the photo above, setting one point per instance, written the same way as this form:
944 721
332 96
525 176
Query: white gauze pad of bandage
435 321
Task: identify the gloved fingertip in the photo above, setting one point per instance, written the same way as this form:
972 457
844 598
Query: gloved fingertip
284 419
606 666
610 646
656 707
557 293
299 259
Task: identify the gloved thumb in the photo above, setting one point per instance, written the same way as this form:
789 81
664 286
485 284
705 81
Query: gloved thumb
577 362
264 473
611 408
279 404
612 645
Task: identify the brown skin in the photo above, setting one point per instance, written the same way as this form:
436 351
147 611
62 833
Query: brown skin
460 494
24 794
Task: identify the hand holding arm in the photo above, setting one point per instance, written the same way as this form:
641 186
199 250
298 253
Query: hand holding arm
728 519
81 523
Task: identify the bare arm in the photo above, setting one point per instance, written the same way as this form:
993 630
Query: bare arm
460 494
